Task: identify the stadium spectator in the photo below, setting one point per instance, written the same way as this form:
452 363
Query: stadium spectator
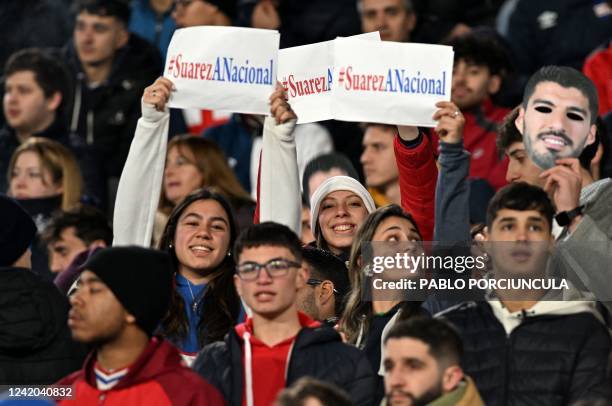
520 218
422 366
35 343
278 345
109 70
552 32
379 166
44 177
73 232
122 295
394 19
323 297
480 66
193 163
35 86
367 315
324 167
311 392
152 20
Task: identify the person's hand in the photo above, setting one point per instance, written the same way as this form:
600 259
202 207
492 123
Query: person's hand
265 16
279 107
158 93
563 183
450 122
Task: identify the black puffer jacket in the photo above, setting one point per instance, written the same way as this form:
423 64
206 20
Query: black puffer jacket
317 352
35 343
549 359
105 117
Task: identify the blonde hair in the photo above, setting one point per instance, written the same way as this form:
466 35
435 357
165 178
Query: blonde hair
210 161
59 162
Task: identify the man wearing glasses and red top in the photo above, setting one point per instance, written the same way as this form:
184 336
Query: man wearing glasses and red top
278 345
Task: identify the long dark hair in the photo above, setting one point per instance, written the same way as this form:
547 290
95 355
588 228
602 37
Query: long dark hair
358 312
220 307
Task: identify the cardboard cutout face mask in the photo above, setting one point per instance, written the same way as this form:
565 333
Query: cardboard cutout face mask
555 124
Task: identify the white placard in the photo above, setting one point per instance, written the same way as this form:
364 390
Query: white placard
223 68
390 82
306 73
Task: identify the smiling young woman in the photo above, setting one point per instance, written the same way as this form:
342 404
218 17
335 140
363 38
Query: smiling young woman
199 236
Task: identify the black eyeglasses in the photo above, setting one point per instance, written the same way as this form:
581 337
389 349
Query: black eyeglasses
317 282
275 268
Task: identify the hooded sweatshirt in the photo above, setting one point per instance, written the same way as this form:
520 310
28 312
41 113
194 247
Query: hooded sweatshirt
266 366
235 366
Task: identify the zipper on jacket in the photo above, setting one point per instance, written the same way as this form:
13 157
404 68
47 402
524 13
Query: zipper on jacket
507 358
74 123
90 127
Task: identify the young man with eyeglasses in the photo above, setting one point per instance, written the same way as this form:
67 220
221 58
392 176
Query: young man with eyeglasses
278 345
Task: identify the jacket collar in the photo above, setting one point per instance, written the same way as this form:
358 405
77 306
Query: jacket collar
158 357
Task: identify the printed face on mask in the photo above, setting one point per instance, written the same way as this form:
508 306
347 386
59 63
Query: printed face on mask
555 124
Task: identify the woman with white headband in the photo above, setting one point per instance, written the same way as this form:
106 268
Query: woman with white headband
339 206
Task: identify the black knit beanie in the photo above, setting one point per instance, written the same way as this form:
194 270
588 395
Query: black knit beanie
140 278
17 230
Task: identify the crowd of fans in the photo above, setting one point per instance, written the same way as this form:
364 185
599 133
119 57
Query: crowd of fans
151 255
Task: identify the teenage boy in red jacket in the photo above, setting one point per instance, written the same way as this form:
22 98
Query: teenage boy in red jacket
278 345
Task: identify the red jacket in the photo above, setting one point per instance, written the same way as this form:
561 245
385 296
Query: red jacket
418 175
158 377
479 137
598 67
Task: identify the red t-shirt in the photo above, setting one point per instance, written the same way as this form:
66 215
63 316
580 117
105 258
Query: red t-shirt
269 370
268 364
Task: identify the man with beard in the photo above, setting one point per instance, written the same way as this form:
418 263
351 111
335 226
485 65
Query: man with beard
323 296
480 66
557 120
558 114
421 362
